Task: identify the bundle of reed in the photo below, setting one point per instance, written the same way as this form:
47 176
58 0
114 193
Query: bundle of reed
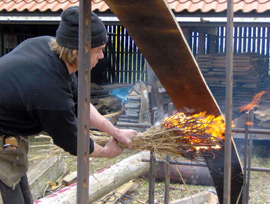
180 135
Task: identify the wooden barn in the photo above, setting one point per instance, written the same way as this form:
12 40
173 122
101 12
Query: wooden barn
126 90
203 24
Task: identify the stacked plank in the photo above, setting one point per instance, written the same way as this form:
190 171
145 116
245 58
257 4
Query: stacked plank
132 106
249 72
136 106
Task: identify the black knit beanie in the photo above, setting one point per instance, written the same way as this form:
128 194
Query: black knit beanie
67 34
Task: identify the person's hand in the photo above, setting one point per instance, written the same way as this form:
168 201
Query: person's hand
112 149
125 136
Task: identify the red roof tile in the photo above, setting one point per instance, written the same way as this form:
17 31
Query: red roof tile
204 6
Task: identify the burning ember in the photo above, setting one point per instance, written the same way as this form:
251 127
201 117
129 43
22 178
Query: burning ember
199 132
196 123
180 135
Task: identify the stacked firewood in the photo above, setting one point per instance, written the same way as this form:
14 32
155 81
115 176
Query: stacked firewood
249 73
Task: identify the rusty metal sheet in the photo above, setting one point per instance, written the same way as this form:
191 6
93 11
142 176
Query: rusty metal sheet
160 39
153 27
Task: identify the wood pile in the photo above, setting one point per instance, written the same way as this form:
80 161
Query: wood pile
122 104
249 73
132 109
104 101
135 106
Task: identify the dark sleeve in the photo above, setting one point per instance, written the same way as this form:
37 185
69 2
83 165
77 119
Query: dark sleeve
74 87
62 127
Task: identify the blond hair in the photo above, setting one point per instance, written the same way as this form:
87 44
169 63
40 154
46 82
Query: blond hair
66 54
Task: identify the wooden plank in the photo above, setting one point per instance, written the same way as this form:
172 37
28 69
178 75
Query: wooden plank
117 193
69 179
49 169
199 198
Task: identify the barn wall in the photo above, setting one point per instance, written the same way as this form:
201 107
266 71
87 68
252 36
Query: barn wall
123 62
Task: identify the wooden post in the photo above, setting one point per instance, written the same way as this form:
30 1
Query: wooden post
201 44
212 41
156 98
186 34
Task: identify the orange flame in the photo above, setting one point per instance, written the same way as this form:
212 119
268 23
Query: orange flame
249 123
209 125
254 103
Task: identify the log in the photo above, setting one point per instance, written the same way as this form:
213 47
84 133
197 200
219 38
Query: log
194 175
103 181
49 169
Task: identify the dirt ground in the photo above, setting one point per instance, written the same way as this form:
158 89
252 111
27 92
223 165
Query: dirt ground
259 182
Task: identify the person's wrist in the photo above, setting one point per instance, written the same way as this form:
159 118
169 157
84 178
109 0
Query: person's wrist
116 133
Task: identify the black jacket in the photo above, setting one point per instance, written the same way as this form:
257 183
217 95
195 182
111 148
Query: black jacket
37 93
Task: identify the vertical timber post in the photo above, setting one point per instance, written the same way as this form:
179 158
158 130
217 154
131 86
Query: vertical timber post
229 94
151 196
167 166
84 103
245 159
249 155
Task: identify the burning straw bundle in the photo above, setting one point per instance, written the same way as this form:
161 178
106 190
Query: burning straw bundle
182 135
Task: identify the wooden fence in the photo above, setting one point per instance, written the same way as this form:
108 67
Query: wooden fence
123 62
246 40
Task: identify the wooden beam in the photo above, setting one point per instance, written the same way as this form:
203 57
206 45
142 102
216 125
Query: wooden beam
201 44
156 97
212 42
205 30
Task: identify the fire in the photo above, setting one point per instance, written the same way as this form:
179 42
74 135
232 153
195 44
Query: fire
254 103
199 132
249 123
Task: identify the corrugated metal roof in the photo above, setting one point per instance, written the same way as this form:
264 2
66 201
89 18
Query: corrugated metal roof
203 6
